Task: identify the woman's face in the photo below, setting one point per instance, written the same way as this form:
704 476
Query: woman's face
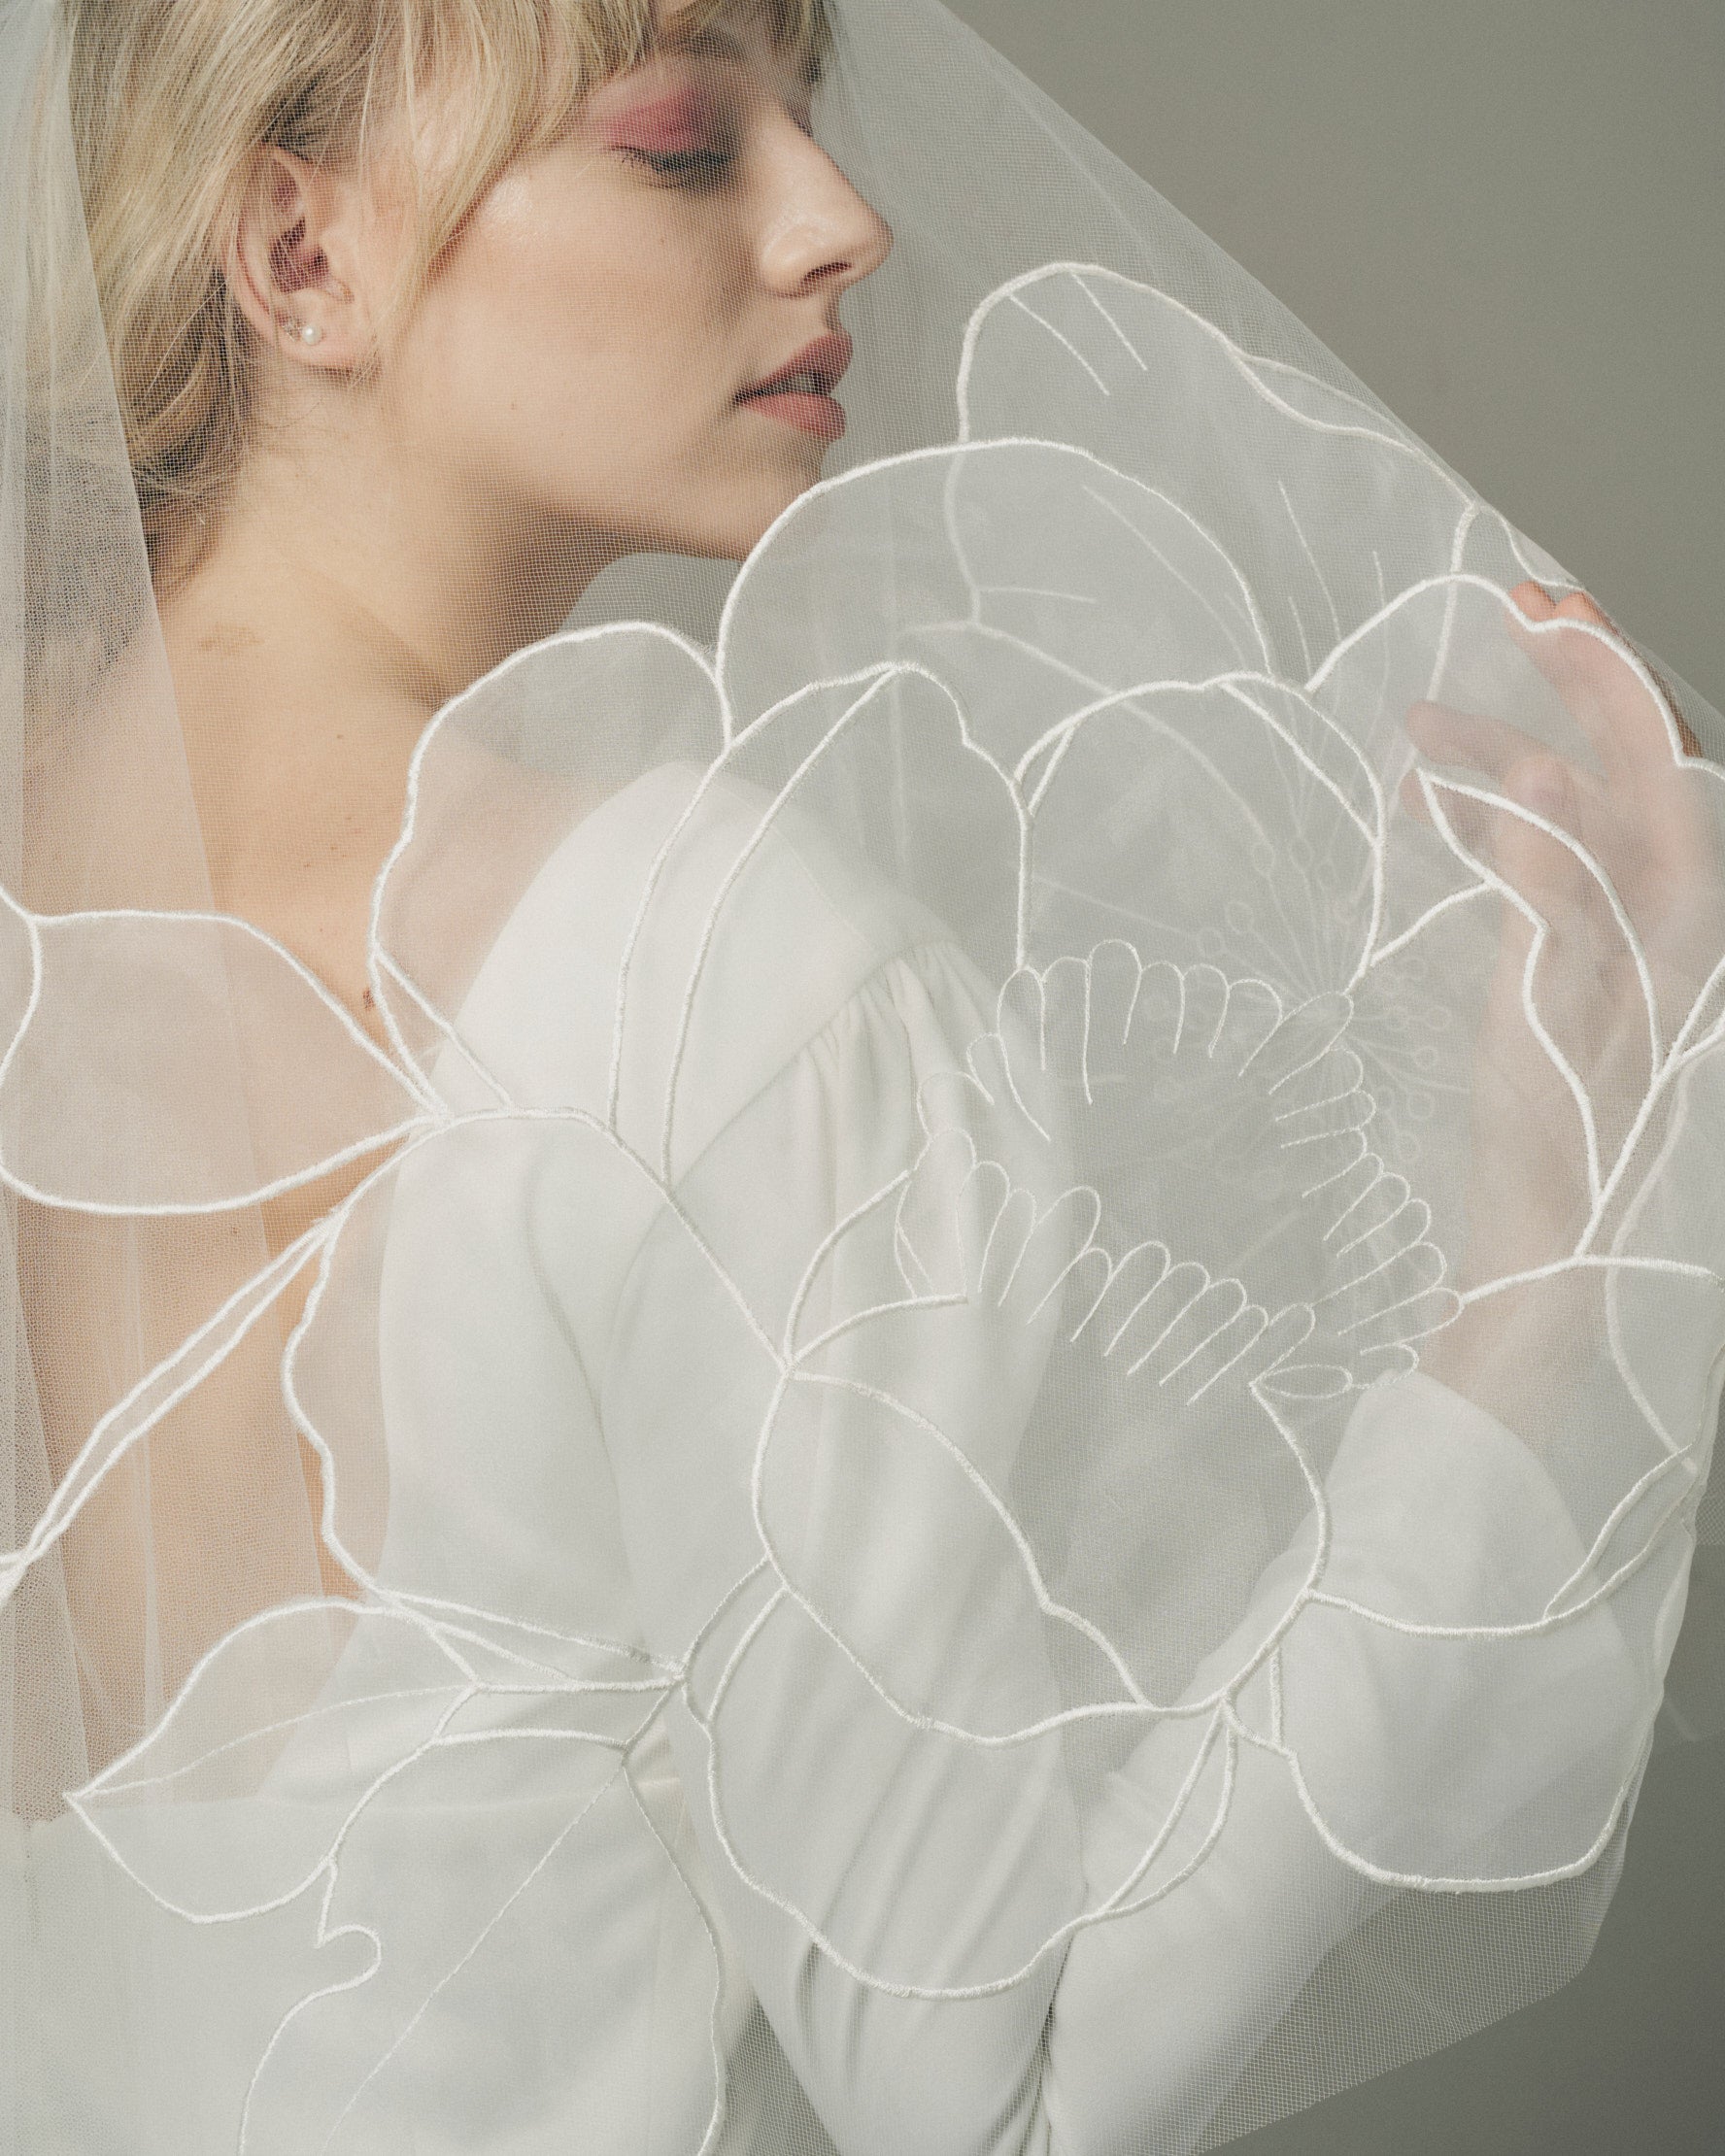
584 354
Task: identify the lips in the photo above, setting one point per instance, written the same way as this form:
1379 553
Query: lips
815 371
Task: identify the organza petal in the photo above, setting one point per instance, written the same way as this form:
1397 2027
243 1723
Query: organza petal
762 901
1004 1845
824 1794
1276 466
1451 1760
1032 578
1230 822
243 1793
831 752
512 788
536 1959
1667 1248
149 1075
129 1424
1455 1596
1613 1432
895 1544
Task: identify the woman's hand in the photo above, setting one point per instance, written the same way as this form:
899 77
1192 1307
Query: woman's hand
1612 919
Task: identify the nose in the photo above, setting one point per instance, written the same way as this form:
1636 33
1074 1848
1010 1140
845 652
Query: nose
820 233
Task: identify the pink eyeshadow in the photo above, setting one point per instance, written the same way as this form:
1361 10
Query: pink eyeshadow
665 125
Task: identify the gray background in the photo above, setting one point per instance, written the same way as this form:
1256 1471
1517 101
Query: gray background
1508 218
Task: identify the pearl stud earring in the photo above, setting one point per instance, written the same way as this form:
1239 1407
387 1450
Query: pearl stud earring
308 332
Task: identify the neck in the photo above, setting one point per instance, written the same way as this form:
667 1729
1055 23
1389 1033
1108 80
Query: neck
344 600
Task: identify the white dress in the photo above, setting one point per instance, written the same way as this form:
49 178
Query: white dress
532 1943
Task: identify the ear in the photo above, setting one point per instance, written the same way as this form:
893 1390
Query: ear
295 265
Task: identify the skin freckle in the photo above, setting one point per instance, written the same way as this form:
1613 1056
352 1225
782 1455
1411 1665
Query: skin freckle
229 638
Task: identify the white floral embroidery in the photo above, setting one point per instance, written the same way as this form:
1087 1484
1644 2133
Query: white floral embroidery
1177 1182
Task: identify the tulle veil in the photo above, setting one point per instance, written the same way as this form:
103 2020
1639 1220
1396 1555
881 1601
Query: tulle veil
1095 647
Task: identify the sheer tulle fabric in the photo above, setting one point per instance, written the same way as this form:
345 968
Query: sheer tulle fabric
972 1500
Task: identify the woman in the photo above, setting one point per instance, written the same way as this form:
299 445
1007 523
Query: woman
884 1389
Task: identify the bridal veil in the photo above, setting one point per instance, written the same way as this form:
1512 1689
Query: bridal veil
1001 1451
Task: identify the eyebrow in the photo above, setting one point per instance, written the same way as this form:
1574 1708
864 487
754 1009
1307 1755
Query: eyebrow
709 41
713 42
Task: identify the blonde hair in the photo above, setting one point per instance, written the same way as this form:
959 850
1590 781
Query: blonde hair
173 100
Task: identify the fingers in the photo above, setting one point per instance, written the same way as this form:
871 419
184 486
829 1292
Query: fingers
1625 720
1490 745
1528 851
1524 768
1531 841
1546 897
1450 736
1412 796
1644 836
1584 609
1629 722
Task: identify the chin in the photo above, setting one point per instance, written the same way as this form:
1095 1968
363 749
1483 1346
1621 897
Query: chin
732 533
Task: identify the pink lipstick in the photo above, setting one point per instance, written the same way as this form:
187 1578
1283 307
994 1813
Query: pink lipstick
800 392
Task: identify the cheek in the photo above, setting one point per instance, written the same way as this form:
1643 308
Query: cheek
581 357
598 324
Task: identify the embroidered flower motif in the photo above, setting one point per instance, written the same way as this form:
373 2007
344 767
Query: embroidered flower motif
1150 1248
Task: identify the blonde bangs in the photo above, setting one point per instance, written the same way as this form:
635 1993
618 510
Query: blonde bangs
525 67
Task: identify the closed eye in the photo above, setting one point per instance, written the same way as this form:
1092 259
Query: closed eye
702 167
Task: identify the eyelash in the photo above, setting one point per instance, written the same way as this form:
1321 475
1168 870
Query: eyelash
691 168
